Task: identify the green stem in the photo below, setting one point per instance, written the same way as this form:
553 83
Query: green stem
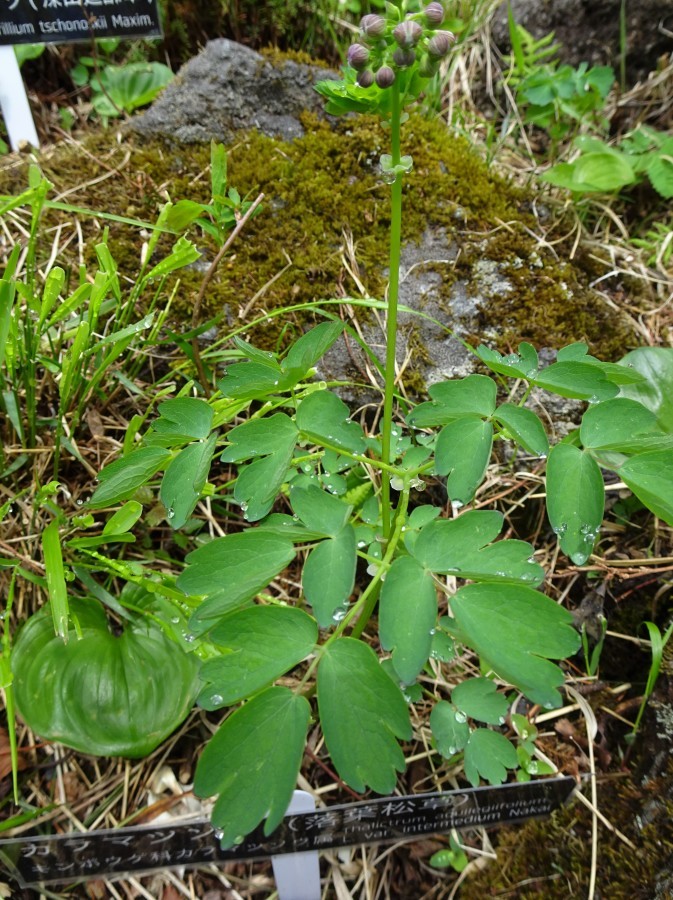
391 324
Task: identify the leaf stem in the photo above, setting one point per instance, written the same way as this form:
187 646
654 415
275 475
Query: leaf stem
391 322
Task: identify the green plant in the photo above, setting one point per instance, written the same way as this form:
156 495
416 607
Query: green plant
657 646
657 245
301 485
601 168
118 89
557 98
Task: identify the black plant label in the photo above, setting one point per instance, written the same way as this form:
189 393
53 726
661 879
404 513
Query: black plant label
42 22
72 857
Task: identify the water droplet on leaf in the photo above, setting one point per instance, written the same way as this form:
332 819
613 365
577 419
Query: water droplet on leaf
461 718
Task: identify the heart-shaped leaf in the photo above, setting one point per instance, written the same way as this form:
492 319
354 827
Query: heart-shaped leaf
407 616
362 712
655 391
323 418
489 755
479 699
100 693
516 630
185 417
270 728
231 570
256 646
457 547
449 728
471 396
575 500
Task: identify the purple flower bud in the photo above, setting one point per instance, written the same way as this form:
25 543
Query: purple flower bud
434 14
358 56
385 77
373 26
404 58
365 78
408 33
440 44
428 67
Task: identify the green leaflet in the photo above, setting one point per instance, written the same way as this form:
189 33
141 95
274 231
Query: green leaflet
123 519
362 712
122 478
582 380
258 484
524 427
319 510
324 418
523 364
620 424
457 546
305 352
260 437
655 391
489 754
575 500
449 728
102 694
407 616
516 630
231 570
462 452
257 645
329 576
184 479
250 380
479 699
650 477
185 417
471 396
252 763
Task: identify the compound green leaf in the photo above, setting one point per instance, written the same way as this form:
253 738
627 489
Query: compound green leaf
252 763
575 500
231 570
479 699
580 380
489 755
516 630
362 712
256 646
329 576
462 452
407 616
524 427
449 728
184 480
323 418
186 417
458 547
655 391
319 510
100 693
122 478
260 437
650 477
471 396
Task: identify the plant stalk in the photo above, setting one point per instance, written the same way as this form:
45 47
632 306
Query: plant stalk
391 321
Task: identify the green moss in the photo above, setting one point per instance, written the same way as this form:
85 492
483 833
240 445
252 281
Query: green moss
319 190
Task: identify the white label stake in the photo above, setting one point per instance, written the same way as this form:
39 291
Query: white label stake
14 101
298 874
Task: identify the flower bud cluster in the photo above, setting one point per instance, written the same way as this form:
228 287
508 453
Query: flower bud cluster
384 47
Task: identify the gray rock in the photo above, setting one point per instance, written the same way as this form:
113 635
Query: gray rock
589 30
229 88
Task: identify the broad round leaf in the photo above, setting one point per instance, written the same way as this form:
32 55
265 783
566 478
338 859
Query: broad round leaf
102 694
656 390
